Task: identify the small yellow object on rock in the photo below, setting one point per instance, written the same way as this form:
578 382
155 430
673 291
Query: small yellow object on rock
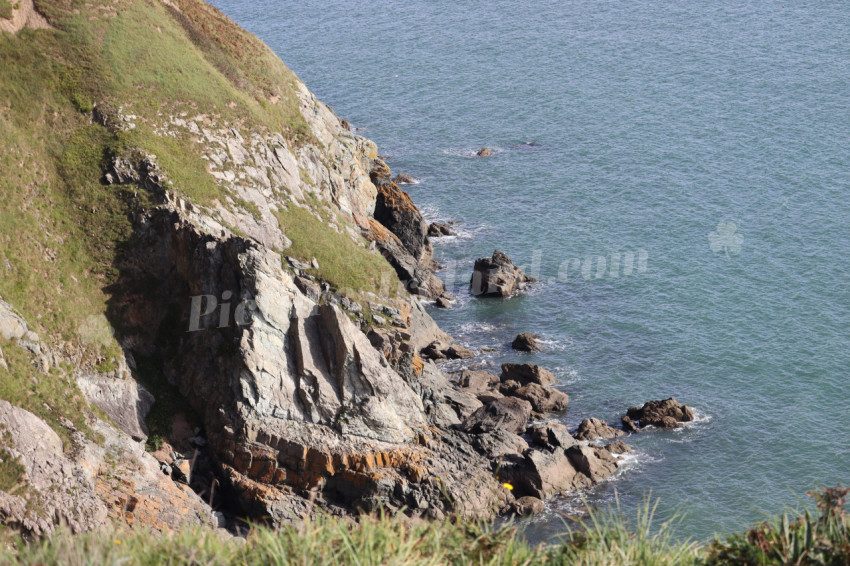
508 486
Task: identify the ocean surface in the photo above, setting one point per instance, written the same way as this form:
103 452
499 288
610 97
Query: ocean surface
677 174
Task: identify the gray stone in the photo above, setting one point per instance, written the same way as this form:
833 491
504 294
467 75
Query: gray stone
551 435
668 413
125 401
507 414
497 276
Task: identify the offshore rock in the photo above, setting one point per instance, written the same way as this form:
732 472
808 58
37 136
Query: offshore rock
526 342
668 413
497 276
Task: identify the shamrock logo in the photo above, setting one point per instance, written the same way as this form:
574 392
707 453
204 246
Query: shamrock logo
726 239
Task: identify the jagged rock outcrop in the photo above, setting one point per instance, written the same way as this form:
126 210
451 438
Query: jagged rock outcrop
93 484
593 429
668 413
125 401
497 276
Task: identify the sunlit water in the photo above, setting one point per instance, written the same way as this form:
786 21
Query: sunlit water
710 140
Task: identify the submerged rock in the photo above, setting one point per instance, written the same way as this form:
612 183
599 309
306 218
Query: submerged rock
497 276
484 152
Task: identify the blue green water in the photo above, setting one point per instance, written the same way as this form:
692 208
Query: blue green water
656 125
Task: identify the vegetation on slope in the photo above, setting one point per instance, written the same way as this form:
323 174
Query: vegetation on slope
603 539
131 63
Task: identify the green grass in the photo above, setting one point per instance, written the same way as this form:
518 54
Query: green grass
49 397
6 10
605 538
347 265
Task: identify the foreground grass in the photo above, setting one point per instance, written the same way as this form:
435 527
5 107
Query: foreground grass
604 538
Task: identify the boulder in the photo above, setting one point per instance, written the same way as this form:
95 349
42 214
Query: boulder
125 401
618 447
508 414
438 230
551 435
499 443
542 399
528 505
667 413
439 350
484 152
477 381
595 462
541 473
592 429
628 424
527 373
497 276
403 179
526 342
443 303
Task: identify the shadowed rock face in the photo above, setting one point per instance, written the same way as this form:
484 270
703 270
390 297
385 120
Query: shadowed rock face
497 276
296 397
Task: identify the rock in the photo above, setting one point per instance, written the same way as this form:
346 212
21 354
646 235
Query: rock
438 230
484 152
668 413
497 276
507 414
477 381
541 473
499 443
311 288
542 399
12 326
403 179
439 350
489 396
592 429
527 373
60 488
628 424
125 401
443 303
595 462
396 211
618 447
528 505
526 342
551 435
297 264
380 173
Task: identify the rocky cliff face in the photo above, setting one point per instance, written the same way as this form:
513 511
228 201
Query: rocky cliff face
305 384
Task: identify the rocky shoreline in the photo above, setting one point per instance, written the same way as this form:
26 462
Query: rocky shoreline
291 393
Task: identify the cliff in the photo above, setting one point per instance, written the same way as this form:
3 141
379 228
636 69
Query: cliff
201 258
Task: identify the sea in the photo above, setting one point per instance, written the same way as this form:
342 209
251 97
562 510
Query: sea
677 175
